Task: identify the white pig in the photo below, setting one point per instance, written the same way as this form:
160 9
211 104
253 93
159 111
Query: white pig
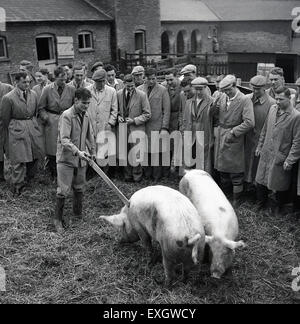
218 216
164 215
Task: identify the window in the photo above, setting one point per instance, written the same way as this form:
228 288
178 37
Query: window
3 48
45 47
85 41
140 44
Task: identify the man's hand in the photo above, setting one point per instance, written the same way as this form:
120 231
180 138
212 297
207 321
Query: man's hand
129 121
121 119
84 156
287 167
257 152
230 137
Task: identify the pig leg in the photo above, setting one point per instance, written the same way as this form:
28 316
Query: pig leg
169 271
186 272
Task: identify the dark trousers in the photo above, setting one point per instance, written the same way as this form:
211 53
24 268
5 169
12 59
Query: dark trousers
229 180
51 165
1 170
154 172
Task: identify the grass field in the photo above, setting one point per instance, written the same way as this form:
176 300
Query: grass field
88 265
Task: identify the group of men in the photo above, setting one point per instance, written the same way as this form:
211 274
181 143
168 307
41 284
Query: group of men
250 141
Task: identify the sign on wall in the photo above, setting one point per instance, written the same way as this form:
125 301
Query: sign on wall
65 47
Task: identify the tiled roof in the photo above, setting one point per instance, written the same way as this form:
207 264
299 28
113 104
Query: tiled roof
51 10
247 10
185 10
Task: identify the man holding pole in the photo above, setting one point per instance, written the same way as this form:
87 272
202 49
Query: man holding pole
75 147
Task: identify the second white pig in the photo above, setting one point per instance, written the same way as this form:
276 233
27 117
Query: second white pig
218 216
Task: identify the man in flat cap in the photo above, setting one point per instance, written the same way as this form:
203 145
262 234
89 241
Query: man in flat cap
279 152
138 73
262 103
197 117
103 112
160 105
236 119
97 66
27 66
189 72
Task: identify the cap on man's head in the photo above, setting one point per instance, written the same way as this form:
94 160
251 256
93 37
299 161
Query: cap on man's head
220 78
138 70
96 65
25 63
258 81
99 75
199 82
190 68
227 82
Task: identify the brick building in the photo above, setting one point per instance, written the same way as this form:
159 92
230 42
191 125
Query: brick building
55 32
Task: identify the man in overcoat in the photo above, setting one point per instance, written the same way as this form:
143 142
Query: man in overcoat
55 99
134 111
4 89
158 125
75 146
262 103
25 140
279 151
236 119
197 117
103 112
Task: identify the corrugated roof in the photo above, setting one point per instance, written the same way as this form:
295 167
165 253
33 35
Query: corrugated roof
51 10
185 10
233 10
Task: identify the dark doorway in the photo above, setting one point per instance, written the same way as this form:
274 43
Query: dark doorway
165 44
180 44
287 63
194 45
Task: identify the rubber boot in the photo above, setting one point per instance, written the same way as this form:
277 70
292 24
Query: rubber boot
2 179
77 204
237 194
58 216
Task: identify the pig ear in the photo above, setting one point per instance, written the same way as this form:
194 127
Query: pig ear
234 245
115 220
208 239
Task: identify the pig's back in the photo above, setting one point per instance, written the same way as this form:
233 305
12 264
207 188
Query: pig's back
176 215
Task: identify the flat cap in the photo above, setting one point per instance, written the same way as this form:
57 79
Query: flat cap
258 81
227 82
96 65
99 75
25 63
138 70
219 78
190 68
298 82
199 82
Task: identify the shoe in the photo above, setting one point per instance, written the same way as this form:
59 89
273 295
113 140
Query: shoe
58 216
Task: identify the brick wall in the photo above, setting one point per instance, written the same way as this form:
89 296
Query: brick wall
252 37
21 43
132 15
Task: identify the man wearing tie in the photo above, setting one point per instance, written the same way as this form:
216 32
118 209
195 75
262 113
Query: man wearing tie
134 110
25 140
